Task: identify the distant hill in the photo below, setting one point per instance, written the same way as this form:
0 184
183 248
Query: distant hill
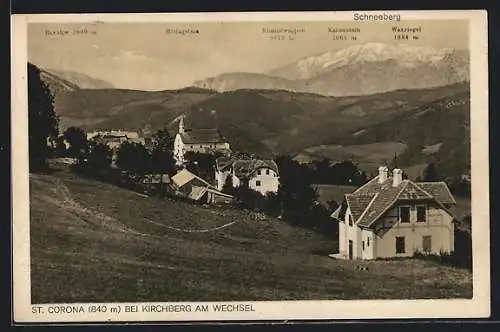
438 131
271 122
127 109
237 81
57 84
81 80
356 70
60 82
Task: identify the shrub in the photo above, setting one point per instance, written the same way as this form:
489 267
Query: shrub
446 258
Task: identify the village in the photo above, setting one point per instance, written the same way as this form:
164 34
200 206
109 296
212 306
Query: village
184 209
385 216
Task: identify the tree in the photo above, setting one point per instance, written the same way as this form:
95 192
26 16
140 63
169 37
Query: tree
346 173
162 157
99 156
322 171
77 140
332 205
60 147
463 242
272 206
460 187
133 157
162 141
295 191
228 186
319 219
201 164
431 174
247 198
43 122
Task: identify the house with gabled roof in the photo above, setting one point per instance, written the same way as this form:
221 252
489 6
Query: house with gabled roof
208 140
394 217
193 187
262 175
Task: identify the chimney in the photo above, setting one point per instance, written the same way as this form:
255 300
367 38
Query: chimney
382 174
397 177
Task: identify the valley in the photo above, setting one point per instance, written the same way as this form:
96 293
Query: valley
368 129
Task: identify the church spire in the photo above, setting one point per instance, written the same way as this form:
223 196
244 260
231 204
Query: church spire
181 125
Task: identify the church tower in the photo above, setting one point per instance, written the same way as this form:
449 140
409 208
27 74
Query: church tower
181 125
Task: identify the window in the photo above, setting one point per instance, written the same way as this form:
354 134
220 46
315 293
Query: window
257 183
404 214
421 213
400 245
363 245
267 172
427 243
350 219
367 241
258 172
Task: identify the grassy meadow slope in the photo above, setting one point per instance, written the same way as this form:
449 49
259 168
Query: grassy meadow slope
87 247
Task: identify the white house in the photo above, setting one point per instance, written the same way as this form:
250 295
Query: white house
393 217
262 175
198 140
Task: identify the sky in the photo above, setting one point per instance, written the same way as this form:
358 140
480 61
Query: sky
144 56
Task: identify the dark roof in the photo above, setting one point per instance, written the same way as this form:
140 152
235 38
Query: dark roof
438 190
373 199
358 203
197 136
412 191
244 167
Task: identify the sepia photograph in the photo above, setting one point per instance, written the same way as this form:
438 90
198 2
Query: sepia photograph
197 165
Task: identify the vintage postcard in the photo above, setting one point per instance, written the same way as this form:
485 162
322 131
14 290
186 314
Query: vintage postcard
250 166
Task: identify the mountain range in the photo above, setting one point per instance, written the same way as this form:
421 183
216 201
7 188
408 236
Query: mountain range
355 70
419 124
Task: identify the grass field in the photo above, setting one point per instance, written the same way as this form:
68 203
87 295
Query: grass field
92 241
374 152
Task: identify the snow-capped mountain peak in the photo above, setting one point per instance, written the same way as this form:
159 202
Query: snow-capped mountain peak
407 55
357 70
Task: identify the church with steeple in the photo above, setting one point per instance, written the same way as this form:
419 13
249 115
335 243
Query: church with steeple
198 140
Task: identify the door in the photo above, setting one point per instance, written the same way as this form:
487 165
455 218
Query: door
426 243
350 249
